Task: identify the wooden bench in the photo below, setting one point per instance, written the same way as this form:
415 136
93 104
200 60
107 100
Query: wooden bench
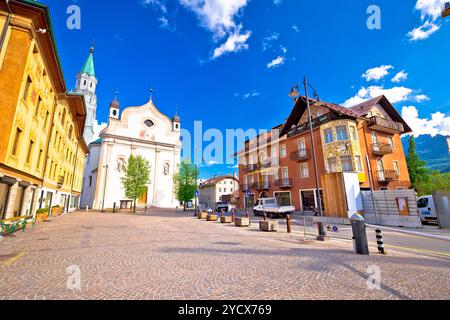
12 225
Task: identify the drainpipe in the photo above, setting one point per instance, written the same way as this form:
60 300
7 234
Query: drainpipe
5 27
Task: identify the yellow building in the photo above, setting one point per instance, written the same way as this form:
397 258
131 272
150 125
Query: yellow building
35 112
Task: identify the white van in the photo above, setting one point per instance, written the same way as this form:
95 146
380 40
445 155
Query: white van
427 210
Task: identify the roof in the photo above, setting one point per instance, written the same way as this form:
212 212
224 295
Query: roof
301 107
363 109
216 180
88 67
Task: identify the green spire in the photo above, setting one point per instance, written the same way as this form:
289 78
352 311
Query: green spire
88 67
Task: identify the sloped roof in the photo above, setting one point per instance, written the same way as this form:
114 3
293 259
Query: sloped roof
88 67
216 180
300 109
363 109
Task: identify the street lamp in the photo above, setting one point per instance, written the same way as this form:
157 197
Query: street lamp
295 90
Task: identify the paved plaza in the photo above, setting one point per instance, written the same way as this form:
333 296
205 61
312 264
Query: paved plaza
167 255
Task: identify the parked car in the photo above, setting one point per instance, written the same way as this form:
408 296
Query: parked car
271 208
427 210
222 206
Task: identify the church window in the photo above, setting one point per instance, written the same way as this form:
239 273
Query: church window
149 123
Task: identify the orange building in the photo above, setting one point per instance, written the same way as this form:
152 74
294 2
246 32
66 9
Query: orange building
280 163
34 109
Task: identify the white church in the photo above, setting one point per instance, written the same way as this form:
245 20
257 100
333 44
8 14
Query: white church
141 130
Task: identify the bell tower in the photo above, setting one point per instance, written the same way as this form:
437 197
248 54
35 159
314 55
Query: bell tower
114 110
87 84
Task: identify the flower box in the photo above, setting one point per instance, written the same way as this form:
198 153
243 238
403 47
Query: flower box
242 222
269 226
225 219
212 217
202 216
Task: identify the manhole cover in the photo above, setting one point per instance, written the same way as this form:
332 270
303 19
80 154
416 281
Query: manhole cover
7 256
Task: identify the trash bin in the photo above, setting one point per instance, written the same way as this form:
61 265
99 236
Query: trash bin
359 234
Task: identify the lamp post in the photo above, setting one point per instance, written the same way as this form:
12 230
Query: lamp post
322 234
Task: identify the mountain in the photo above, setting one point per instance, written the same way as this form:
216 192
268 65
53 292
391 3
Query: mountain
434 150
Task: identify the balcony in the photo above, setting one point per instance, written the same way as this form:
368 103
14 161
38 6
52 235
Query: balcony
250 167
382 149
244 187
300 155
260 186
387 176
385 125
283 183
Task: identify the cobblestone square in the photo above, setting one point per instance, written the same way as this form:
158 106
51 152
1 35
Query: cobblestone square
168 255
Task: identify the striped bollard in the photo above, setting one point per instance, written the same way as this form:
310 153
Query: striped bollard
380 242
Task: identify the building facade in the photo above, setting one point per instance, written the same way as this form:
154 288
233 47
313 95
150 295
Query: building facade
217 189
35 108
365 140
136 131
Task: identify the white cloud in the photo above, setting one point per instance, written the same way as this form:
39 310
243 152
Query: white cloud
235 42
421 97
377 73
394 95
278 61
430 11
268 41
218 16
158 4
295 28
438 124
399 77
250 95
98 128
430 8
423 32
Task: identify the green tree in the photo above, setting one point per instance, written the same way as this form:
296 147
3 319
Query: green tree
185 183
417 167
135 179
436 181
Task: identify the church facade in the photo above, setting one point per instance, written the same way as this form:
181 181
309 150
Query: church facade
144 131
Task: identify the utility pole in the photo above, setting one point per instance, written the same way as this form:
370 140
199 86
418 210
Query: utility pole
322 234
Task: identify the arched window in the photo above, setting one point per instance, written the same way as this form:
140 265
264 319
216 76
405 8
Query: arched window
63 117
70 132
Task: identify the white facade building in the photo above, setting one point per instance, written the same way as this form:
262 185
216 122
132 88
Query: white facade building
141 131
215 189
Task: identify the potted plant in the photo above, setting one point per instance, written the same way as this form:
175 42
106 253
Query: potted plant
56 211
41 214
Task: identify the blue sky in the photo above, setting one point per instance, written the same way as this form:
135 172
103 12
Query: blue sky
231 63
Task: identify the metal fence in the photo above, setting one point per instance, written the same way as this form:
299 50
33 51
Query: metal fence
339 228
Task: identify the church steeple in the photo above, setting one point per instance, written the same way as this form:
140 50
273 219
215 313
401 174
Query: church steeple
88 67
114 108
87 84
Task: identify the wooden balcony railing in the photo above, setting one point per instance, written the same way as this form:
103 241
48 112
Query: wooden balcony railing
300 155
381 149
283 183
387 176
386 125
